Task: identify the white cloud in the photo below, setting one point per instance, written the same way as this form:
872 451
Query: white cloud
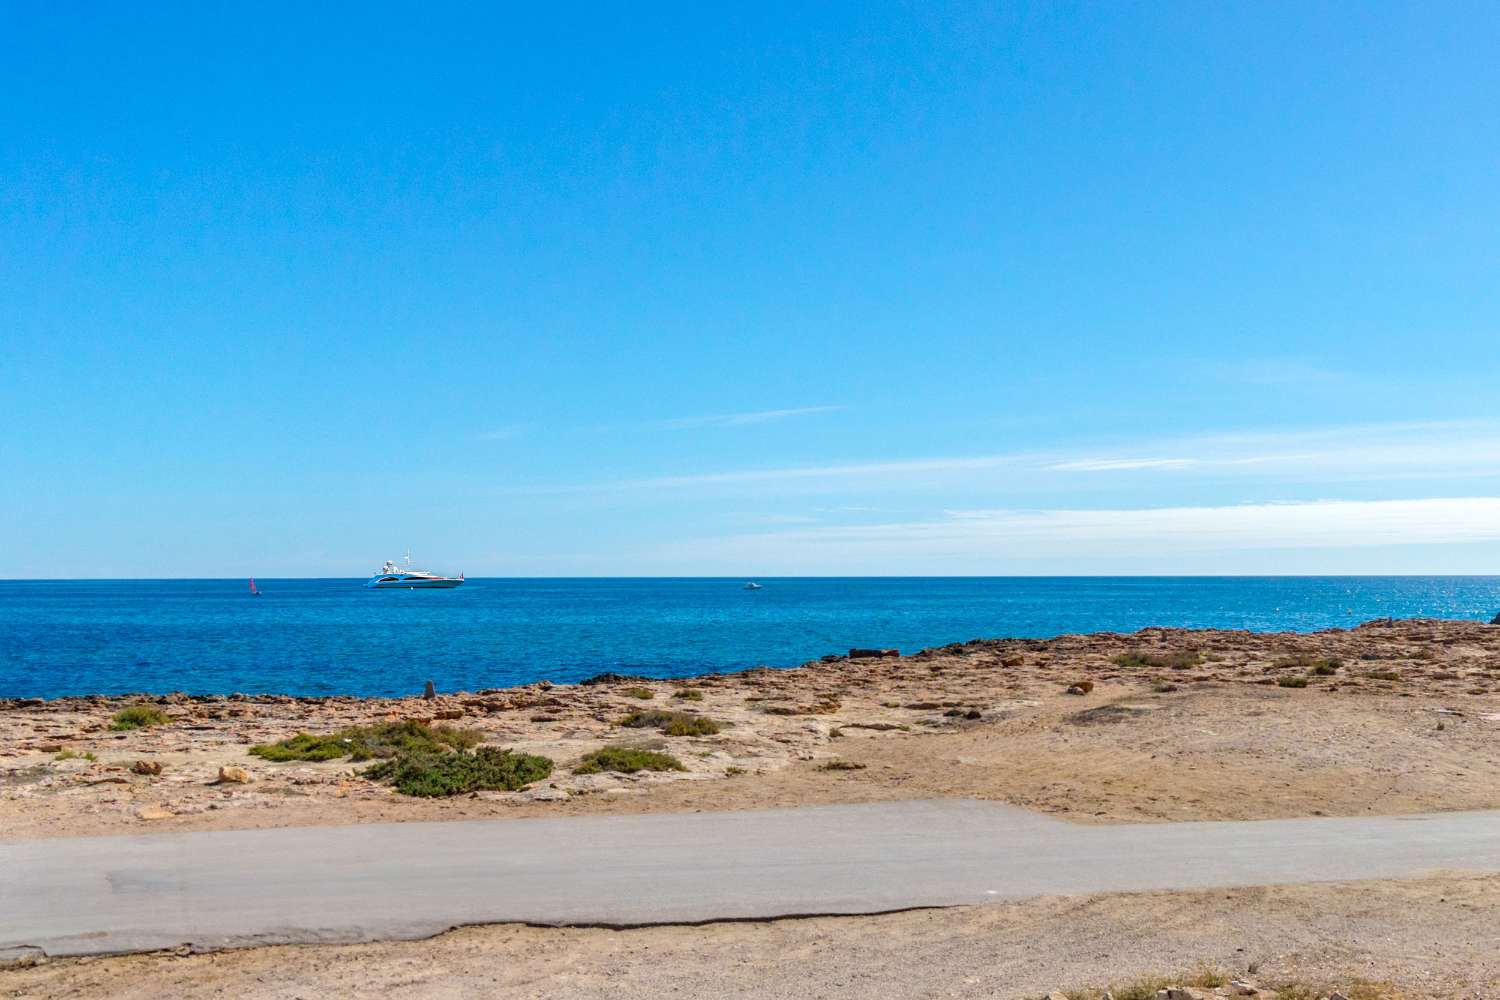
742 419
1071 532
1368 453
1120 464
837 472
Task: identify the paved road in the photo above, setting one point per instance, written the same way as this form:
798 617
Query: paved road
101 895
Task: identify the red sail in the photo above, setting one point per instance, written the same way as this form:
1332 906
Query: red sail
252 586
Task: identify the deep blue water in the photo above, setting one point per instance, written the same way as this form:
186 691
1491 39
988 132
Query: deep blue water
333 637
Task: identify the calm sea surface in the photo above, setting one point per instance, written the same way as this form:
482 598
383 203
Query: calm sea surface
333 637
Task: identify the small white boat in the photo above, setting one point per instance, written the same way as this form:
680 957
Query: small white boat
393 577
752 585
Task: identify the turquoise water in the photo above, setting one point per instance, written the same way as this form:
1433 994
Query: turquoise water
316 637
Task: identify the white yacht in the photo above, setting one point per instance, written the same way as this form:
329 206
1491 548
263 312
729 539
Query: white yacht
393 577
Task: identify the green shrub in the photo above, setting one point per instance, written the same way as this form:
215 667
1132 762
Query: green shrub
75 755
1318 666
1292 681
138 717
1181 659
458 772
645 694
1383 675
671 723
689 694
627 760
380 741
841 765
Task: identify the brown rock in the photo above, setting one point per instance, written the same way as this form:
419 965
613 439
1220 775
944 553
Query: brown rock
1081 687
154 812
1013 661
229 774
148 767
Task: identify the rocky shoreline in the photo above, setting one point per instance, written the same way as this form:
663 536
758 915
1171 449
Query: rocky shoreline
1389 716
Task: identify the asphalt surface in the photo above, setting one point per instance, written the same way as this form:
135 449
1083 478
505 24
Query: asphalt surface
102 895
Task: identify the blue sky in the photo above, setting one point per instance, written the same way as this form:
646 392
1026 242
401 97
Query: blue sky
1065 288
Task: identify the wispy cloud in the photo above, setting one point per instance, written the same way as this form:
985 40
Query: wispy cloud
1155 531
1119 464
1367 453
742 419
1134 464
841 471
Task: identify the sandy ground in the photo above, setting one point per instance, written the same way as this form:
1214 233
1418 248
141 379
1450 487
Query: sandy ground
1434 937
1408 721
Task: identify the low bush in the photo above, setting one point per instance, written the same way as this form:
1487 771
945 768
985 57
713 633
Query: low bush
671 723
627 760
841 765
378 742
1383 675
689 694
1180 659
1292 681
75 755
1318 666
645 694
458 772
138 717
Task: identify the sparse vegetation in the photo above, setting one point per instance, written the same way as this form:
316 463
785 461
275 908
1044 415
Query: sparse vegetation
1205 977
1317 666
644 694
841 765
827 706
733 771
75 755
688 694
381 741
671 723
1383 675
1292 681
627 760
1163 687
1180 659
138 717
458 772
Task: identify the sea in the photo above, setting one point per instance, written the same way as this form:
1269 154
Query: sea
327 637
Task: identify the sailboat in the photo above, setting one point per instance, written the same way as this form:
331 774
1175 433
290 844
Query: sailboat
254 590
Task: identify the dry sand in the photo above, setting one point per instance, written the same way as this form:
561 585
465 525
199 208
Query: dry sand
1409 721
1434 937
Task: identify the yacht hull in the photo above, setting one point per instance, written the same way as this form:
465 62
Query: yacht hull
412 584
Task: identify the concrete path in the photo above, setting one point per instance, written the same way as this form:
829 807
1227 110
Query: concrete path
101 895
